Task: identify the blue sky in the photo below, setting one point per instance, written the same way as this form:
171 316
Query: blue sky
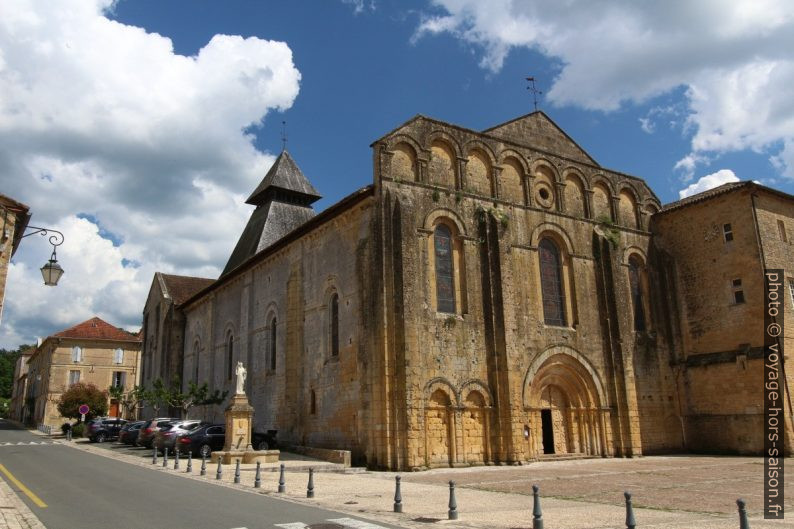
138 128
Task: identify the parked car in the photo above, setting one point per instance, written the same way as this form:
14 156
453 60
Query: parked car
147 431
129 433
166 436
104 429
203 440
264 441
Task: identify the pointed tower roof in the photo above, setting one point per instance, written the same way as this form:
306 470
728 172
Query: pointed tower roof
283 202
285 175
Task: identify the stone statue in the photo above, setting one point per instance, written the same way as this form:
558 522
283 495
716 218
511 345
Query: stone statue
241 372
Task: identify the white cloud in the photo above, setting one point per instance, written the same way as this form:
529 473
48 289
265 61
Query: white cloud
710 181
733 58
104 119
360 5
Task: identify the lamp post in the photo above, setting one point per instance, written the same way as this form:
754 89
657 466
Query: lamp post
51 271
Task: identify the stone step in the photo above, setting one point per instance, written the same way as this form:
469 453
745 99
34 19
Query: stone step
565 457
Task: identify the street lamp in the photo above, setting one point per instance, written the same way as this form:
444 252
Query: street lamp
51 271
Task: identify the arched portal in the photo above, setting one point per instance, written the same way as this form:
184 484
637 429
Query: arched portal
563 398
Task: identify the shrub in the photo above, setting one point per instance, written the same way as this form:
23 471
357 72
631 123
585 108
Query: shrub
78 430
82 393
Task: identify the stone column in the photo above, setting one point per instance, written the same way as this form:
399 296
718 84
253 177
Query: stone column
588 203
460 174
560 191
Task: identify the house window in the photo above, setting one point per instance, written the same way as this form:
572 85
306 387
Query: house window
74 377
781 228
273 337
230 357
551 283
118 356
738 293
77 354
119 379
635 283
727 232
333 331
445 282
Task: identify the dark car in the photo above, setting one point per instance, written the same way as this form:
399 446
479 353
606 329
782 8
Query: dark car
129 433
166 436
203 440
264 441
104 429
147 431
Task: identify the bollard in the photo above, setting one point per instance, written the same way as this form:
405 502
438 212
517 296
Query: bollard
219 473
203 465
189 463
237 472
176 460
257 478
154 456
744 523
630 523
310 486
165 458
537 514
69 434
398 499
453 506
282 486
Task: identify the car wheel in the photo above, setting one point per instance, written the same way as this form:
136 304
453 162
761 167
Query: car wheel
101 437
263 445
205 451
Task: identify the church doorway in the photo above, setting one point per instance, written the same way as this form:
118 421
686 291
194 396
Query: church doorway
548 431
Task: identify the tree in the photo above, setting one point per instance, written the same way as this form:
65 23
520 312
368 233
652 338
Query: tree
8 360
195 396
82 393
156 396
131 400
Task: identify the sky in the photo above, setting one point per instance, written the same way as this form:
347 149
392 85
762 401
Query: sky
139 127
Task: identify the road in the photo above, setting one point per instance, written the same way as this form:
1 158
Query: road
89 491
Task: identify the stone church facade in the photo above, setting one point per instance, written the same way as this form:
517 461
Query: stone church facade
492 298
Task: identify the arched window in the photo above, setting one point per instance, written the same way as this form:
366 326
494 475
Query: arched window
551 283
273 344
445 273
196 362
333 331
637 299
230 357
313 403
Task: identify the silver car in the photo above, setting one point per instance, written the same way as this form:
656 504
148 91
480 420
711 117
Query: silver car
166 436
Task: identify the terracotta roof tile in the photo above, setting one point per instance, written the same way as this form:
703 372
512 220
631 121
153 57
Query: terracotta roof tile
182 288
97 329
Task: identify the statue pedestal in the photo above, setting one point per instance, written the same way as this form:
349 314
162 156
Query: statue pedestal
238 436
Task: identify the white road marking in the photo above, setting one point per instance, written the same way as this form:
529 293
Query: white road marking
296 525
355 524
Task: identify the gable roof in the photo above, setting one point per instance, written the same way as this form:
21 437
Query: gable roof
721 190
536 129
284 175
97 329
180 288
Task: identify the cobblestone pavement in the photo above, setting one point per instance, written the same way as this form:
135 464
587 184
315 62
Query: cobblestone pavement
14 514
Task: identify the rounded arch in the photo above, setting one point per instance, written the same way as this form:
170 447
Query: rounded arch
443 166
575 203
631 186
404 161
443 137
601 179
634 251
228 328
601 202
561 364
512 154
628 212
440 214
556 232
479 386
479 171
542 165
397 139
512 179
441 383
478 145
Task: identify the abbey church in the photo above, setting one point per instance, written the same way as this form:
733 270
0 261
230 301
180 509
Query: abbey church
493 297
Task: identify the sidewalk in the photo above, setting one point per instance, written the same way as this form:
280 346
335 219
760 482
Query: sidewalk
371 494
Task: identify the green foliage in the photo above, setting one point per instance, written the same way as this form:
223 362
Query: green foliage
8 359
458 196
436 195
78 430
5 407
496 213
82 393
130 400
611 233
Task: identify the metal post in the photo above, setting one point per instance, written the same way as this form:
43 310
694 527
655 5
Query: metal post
176 459
453 506
257 478
203 465
310 486
219 473
744 523
237 472
537 514
630 523
398 499
165 458
282 485
154 456
189 462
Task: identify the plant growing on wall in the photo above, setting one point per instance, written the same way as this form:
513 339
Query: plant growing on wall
609 230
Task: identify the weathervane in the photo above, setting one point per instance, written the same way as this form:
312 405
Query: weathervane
535 91
283 135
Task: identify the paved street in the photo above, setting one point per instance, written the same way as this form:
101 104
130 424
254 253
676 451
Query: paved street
84 490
